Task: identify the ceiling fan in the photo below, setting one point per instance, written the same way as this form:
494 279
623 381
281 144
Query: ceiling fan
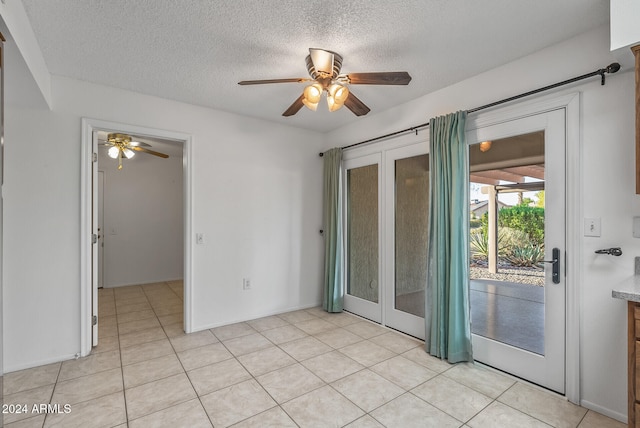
120 146
324 68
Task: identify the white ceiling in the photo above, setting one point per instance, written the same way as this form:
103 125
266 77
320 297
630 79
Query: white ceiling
196 51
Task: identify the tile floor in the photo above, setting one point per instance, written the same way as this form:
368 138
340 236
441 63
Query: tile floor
305 368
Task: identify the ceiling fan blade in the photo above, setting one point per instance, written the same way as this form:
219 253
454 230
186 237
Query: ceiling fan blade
354 104
138 144
295 107
151 152
262 82
381 78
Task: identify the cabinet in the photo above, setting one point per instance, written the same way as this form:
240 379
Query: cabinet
633 362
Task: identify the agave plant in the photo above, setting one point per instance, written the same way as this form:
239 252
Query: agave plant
507 239
529 255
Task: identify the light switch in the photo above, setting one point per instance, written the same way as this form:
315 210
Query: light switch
636 227
592 227
199 238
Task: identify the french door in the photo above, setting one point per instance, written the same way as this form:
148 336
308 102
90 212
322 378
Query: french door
386 213
518 312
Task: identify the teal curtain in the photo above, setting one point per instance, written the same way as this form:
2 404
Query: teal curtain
333 270
447 315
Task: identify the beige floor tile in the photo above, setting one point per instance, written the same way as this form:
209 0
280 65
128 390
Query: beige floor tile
21 403
163 310
296 316
404 373
366 329
497 415
174 330
267 323
342 319
397 342
152 397
236 403
135 316
272 418
367 389
332 366
137 325
30 378
289 382
232 331
542 405
217 376
107 327
34 422
455 399
106 310
314 326
322 407
365 422
88 387
247 344
204 356
317 312
482 380
151 370
305 348
141 336
596 420
409 411
284 334
367 353
420 356
131 300
171 319
146 351
91 364
188 414
106 344
107 411
265 360
338 338
193 340
133 307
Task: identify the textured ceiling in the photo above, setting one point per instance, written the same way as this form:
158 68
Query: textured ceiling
196 51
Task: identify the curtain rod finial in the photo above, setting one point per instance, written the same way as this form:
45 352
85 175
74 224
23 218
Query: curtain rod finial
321 154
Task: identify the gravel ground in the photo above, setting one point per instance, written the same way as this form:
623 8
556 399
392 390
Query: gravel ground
511 274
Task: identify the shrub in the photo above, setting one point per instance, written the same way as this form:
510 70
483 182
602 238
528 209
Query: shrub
526 256
507 238
529 220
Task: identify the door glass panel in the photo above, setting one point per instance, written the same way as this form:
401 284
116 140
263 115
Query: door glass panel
362 227
507 276
411 224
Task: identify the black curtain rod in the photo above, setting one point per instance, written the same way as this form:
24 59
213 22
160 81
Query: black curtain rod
612 68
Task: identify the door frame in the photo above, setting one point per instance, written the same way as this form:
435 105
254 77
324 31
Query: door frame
87 263
573 173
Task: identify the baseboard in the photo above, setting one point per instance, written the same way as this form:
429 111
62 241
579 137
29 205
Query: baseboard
141 283
24 366
260 315
607 412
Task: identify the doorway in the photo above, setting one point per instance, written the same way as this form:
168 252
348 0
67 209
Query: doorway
89 221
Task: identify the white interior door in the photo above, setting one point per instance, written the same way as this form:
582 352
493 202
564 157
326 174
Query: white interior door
406 225
503 306
363 247
100 229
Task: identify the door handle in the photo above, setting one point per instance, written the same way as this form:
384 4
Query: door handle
555 273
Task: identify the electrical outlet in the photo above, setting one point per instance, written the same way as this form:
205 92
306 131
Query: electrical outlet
199 238
592 227
246 284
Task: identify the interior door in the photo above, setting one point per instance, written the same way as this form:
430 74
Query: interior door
100 244
362 184
407 215
517 328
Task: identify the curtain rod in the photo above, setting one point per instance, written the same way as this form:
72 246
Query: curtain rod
611 68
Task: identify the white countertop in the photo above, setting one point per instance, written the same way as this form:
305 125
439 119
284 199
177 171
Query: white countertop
629 289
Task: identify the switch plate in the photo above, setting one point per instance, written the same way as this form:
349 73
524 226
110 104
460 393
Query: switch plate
246 284
636 227
199 238
592 227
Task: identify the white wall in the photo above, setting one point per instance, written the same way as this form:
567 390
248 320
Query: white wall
257 197
607 134
143 219
624 16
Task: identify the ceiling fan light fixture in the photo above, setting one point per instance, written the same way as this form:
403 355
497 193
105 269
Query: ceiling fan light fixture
333 104
312 95
113 152
128 153
322 60
339 92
